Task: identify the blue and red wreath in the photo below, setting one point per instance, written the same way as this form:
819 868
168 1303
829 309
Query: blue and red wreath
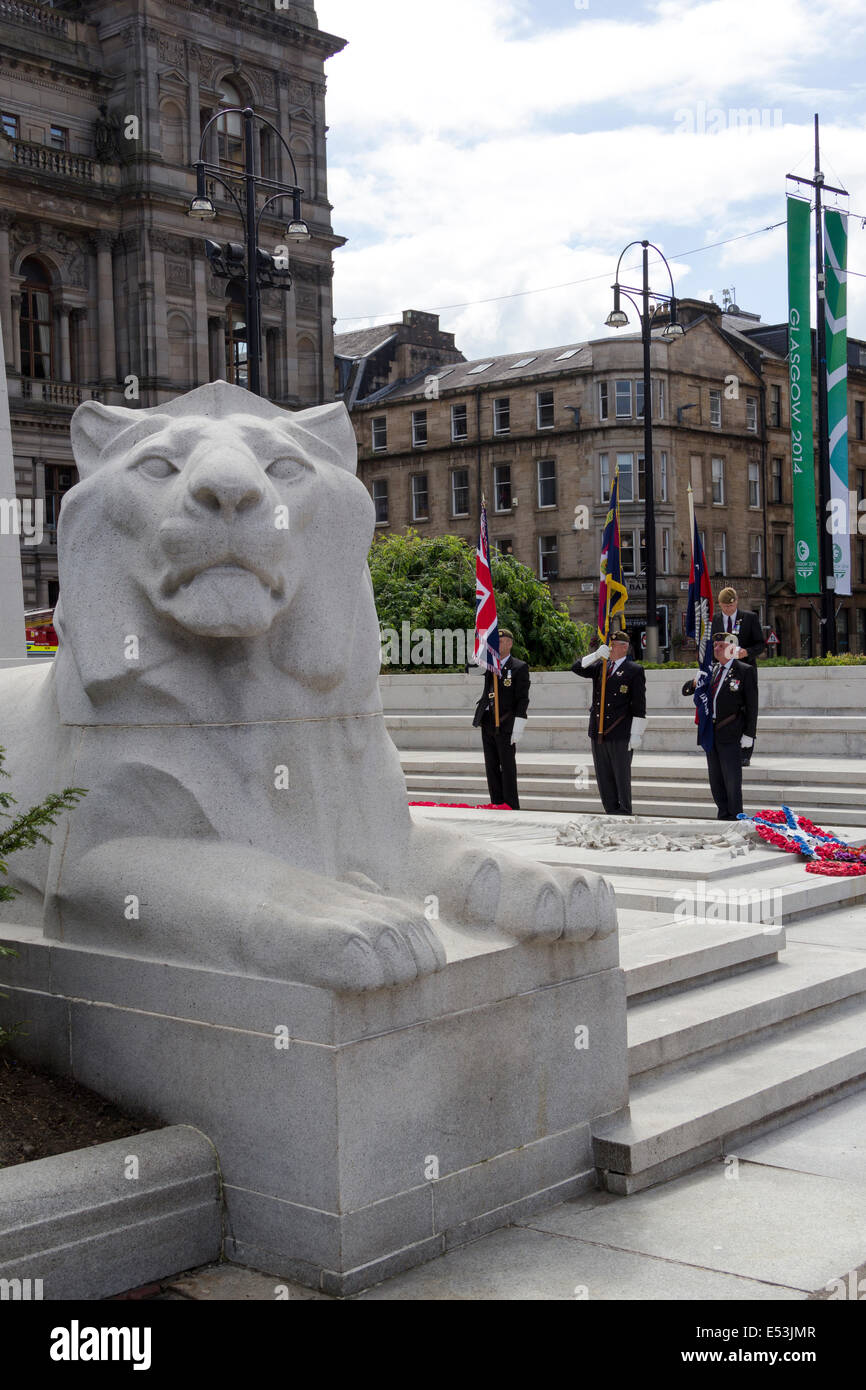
824 851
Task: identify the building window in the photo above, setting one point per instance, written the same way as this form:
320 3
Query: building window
638 399
663 476
503 544
623 400
603 401
660 390
546 483
380 500
548 557
419 497
861 631
861 485
641 478
805 628
778 557
58 480
775 480
58 137
628 541
754 484
755 557
752 414
502 415
544 410
419 428
36 327
459 422
861 562
379 426
718 482
502 487
666 550
776 407
720 542
230 129
10 125
460 492
604 474
716 409
625 468
236 337
843 643
858 419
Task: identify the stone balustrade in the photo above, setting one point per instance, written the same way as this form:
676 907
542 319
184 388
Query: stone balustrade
37 16
28 154
66 393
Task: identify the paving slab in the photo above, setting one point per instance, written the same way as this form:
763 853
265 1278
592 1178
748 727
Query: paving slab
831 1143
236 1283
844 928
531 1265
791 1229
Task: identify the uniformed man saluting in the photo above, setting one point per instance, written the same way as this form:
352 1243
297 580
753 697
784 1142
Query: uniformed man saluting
733 696
500 745
624 719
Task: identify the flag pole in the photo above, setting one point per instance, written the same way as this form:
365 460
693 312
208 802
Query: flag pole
604 667
691 496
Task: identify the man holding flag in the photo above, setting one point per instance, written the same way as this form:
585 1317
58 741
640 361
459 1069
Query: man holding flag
502 711
617 717
725 690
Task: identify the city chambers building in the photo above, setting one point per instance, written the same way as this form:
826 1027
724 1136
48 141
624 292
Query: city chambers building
542 433
106 292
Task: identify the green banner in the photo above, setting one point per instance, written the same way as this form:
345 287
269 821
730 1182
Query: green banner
836 311
800 386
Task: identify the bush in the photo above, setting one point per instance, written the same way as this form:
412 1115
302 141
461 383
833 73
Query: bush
24 832
429 582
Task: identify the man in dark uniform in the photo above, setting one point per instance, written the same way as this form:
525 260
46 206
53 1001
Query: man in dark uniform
734 704
624 719
742 624
500 745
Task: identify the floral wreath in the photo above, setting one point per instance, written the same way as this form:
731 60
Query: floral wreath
826 853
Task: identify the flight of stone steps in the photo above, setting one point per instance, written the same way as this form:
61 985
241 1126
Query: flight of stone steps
734 1027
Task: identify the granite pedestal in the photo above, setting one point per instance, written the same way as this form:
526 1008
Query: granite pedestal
358 1134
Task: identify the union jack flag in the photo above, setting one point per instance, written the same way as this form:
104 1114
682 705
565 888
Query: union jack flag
612 592
699 622
486 651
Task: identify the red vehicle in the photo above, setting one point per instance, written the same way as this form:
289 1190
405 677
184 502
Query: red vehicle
39 627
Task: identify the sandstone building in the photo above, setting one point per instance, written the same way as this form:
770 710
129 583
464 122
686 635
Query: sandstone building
540 433
105 288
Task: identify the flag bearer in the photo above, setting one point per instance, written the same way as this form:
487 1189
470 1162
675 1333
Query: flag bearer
617 734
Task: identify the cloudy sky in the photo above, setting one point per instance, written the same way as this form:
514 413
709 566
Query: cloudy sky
507 150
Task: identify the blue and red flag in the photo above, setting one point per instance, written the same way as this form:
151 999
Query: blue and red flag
486 653
612 592
699 624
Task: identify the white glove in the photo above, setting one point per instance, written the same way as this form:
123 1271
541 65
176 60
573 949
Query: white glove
746 742
519 726
600 654
637 732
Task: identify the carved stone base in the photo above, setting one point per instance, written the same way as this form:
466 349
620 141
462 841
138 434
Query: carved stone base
357 1134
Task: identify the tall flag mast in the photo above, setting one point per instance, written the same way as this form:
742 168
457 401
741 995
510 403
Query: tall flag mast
699 625
612 592
486 652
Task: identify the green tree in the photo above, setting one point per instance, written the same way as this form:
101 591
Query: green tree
24 832
429 582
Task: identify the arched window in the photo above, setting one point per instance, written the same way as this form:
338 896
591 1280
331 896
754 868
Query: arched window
230 129
173 133
179 350
36 321
236 337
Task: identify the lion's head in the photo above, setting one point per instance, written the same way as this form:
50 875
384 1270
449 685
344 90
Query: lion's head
209 530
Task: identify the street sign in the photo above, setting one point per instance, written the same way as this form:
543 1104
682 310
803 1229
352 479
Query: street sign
772 640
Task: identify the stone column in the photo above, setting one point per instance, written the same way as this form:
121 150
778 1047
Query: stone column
5 289
194 100
16 331
105 299
202 364
217 348
65 361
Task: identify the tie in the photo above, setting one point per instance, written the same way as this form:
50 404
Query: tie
717 680
730 622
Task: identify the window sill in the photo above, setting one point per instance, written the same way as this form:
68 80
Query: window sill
383 523
420 520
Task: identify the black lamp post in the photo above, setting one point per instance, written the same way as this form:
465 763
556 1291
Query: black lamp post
256 267
618 319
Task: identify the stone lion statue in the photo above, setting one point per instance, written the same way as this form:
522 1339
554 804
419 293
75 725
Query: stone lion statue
215 691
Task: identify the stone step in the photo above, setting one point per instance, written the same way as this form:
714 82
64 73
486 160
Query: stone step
532 783
804 978
654 806
676 955
782 898
680 1119
837 773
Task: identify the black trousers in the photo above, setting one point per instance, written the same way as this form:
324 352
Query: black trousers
500 764
725 766
613 774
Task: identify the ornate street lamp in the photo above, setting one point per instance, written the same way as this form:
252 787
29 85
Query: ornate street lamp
256 267
617 318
